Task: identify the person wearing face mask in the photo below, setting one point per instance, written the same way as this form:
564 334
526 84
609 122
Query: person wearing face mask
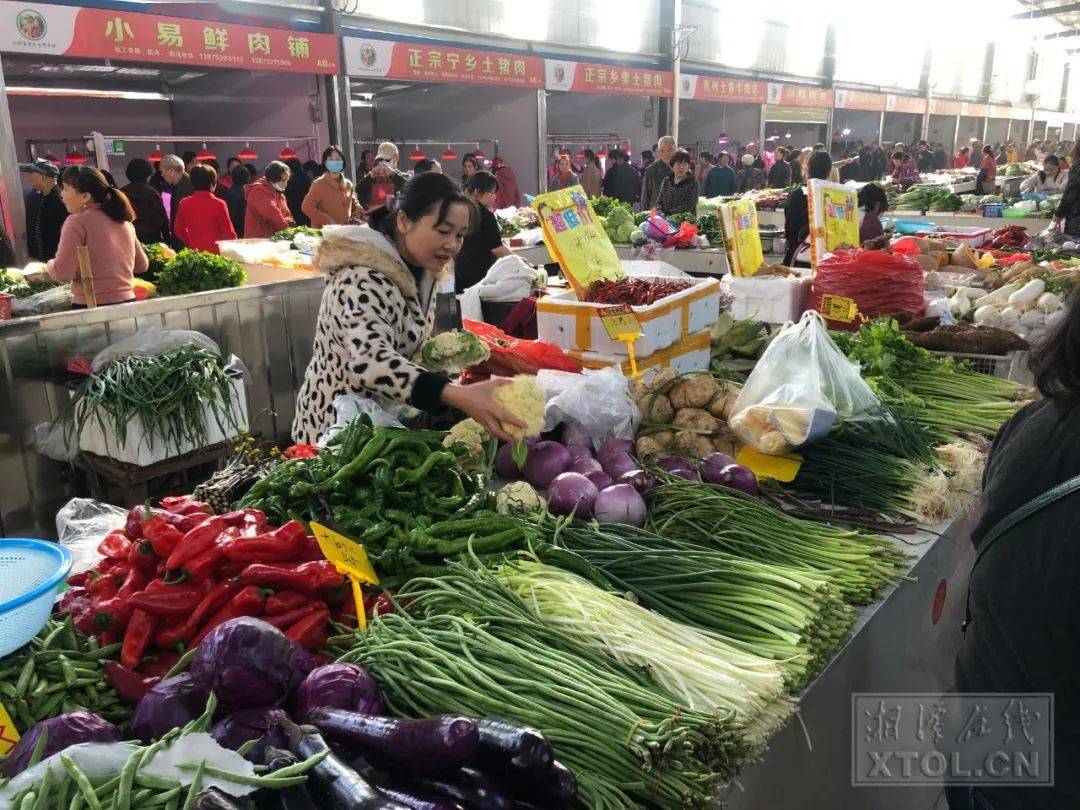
267 211
100 219
331 200
379 307
484 243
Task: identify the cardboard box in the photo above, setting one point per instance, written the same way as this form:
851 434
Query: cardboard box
772 299
689 354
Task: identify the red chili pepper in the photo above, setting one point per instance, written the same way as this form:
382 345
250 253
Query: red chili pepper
142 555
130 686
284 620
163 536
218 595
84 621
251 598
310 632
185 505
112 614
115 546
301 451
196 541
173 632
192 521
201 568
135 581
107 637
74 600
140 630
312 551
379 605
169 601
103 586
158 662
234 608
280 545
228 570
252 520
79 579
306 577
134 520
284 601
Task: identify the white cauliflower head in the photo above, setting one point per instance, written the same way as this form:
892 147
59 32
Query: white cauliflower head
518 497
524 398
471 434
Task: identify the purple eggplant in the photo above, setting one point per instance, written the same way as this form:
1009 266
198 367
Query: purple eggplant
439 743
214 799
467 786
297 797
419 800
512 750
557 788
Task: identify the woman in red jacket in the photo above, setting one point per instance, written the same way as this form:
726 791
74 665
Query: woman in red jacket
267 211
203 219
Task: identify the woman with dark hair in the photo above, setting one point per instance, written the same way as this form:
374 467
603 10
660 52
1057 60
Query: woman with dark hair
296 190
679 193
963 158
331 200
1023 598
905 171
266 211
203 218
379 306
1051 179
367 163
1067 215
985 179
592 175
564 174
797 208
484 244
151 218
234 195
100 219
874 201
469 166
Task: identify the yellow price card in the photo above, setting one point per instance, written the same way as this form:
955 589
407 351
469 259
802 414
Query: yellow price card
8 735
741 237
781 468
351 560
575 237
620 322
839 308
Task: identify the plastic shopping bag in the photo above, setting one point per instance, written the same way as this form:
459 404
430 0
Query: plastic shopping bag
800 387
879 282
148 342
682 238
598 401
81 525
510 355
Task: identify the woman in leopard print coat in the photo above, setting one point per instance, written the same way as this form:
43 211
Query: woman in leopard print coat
379 306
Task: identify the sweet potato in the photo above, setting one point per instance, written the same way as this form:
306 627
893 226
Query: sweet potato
965 339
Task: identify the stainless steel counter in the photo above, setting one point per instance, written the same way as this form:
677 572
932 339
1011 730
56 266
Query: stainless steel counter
268 326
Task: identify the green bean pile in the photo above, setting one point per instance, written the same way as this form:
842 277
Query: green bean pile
721 519
168 392
60 670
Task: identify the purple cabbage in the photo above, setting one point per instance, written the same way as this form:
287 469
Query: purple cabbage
242 725
337 686
65 731
246 663
170 704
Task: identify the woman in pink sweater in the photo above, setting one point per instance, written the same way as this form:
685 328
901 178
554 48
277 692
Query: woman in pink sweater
101 218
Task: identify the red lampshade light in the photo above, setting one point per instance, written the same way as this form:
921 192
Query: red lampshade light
75 158
479 154
247 153
580 153
205 154
157 155
49 156
723 138
417 154
449 154
287 153
602 153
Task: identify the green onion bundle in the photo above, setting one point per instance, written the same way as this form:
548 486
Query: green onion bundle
465 644
718 518
169 393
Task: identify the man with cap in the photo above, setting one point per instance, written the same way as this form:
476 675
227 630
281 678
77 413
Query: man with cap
924 157
43 229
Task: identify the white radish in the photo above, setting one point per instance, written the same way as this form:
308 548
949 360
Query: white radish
998 296
971 293
1033 319
960 305
1054 319
1028 294
987 316
1048 302
1010 318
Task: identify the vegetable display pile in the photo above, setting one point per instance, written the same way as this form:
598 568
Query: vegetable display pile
636 292
684 414
619 224
603 206
289 234
168 392
193 271
708 225
927 198
158 254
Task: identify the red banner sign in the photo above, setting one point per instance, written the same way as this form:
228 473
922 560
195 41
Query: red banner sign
436 62
859 100
731 91
593 77
973 110
944 106
905 104
109 34
796 95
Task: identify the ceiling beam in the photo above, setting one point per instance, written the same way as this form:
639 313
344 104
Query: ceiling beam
1062 34
1039 13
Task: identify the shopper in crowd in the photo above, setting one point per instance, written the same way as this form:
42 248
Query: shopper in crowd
963 158
941 157
178 183
1032 152
381 184
427 165
203 218
592 175
483 245
905 170
313 170
189 160
721 179
749 177
389 153
657 172
469 166
797 207
924 158
866 162
1067 215
100 220
1022 609
702 167
367 163
874 202
46 220
234 196
297 189
804 162
1012 154
648 157
849 168
157 179
879 162
985 180
1051 179
379 306
267 212
622 182
151 218
225 180
679 193
331 199
779 175
251 170
508 195
564 176
755 151
795 166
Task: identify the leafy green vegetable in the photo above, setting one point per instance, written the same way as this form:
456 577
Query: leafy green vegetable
288 234
603 206
13 283
452 352
158 254
708 225
194 271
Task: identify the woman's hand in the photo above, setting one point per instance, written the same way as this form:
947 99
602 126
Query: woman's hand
478 401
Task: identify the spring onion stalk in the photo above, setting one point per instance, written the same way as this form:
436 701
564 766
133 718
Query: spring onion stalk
698 669
718 518
462 643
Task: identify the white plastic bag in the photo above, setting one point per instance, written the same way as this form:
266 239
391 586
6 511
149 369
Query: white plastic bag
148 342
509 279
55 299
599 401
800 386
81 524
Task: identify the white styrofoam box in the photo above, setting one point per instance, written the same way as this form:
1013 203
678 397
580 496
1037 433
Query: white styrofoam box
770 299
136 451
692 353
573 325
975 237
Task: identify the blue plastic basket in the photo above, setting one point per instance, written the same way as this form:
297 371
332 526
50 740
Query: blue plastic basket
910 227
30 573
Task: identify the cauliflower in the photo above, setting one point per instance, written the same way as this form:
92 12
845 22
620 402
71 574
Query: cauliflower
452 352
518 497
526 400
471 435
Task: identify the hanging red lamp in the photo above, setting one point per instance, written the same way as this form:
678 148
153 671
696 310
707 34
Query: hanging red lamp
49 156
602 153
449 154
205 154
580 153
479 154
287 152
75 158
723 138
417 154
157 155
247 153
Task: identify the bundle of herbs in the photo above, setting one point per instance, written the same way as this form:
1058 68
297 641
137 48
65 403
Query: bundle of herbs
170 393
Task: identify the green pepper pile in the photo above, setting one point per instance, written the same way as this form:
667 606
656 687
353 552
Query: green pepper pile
400 492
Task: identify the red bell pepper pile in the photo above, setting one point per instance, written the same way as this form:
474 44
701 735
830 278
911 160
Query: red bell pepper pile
173 574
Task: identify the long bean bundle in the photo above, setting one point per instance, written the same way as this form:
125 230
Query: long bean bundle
170 393
465 644
713 517
792 615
